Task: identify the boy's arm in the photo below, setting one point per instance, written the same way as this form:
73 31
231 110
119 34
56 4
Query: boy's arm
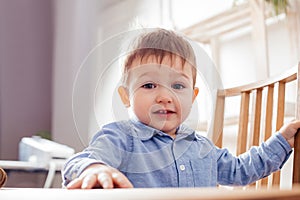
256 163
108 148
260 161
75 166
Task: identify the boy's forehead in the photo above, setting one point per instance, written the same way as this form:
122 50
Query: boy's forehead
155 68
174 62
159 71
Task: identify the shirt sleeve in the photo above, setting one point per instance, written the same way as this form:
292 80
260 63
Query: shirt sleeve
107 147
254 164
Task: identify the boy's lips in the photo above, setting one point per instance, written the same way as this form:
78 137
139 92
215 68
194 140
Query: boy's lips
164 112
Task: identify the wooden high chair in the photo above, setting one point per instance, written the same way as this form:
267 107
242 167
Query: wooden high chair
262 112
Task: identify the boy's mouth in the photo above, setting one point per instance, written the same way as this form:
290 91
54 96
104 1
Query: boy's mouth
164 112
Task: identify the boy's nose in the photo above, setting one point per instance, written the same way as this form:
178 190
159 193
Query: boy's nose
164 95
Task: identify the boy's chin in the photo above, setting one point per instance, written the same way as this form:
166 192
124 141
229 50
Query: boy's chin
166 128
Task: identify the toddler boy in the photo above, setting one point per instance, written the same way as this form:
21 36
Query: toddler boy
154 148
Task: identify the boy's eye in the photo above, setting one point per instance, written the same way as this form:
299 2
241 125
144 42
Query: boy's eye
178 86
149 86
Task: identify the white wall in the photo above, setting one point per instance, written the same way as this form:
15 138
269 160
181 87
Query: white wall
74 37
237 55
238 61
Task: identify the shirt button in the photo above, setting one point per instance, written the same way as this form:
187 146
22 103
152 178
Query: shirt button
182 167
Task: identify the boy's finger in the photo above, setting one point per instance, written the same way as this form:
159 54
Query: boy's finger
120 180
89 181
297 124
75 184
105 180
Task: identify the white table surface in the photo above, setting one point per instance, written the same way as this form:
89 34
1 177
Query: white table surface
153 194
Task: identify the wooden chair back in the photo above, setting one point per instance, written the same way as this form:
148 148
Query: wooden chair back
258 116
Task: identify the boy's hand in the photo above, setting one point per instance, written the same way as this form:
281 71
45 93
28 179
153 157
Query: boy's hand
289 130
99 175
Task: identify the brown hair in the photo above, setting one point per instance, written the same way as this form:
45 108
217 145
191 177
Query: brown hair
161 43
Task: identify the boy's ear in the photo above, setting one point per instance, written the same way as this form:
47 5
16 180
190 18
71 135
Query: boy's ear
123 92
196 91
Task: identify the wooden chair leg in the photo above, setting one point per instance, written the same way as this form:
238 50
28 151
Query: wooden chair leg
3 177
296 164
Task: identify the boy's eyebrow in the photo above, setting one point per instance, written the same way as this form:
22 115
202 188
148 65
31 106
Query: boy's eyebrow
181 74
145 73
186 76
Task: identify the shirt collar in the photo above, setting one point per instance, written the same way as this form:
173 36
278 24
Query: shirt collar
144 132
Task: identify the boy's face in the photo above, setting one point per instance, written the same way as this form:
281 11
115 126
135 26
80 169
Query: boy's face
161 95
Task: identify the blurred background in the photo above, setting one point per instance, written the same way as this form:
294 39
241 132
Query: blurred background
57 57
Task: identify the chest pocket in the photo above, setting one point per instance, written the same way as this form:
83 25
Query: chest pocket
204 165
204 172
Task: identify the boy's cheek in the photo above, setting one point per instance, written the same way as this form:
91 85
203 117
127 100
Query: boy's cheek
186 97
185 103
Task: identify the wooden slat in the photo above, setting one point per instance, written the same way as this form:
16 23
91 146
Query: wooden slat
268 121
296 164
219 119
256 123
279 122
243 123
269 112
257 117
280 105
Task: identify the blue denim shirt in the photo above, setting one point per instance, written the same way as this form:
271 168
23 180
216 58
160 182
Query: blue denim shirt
151 158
